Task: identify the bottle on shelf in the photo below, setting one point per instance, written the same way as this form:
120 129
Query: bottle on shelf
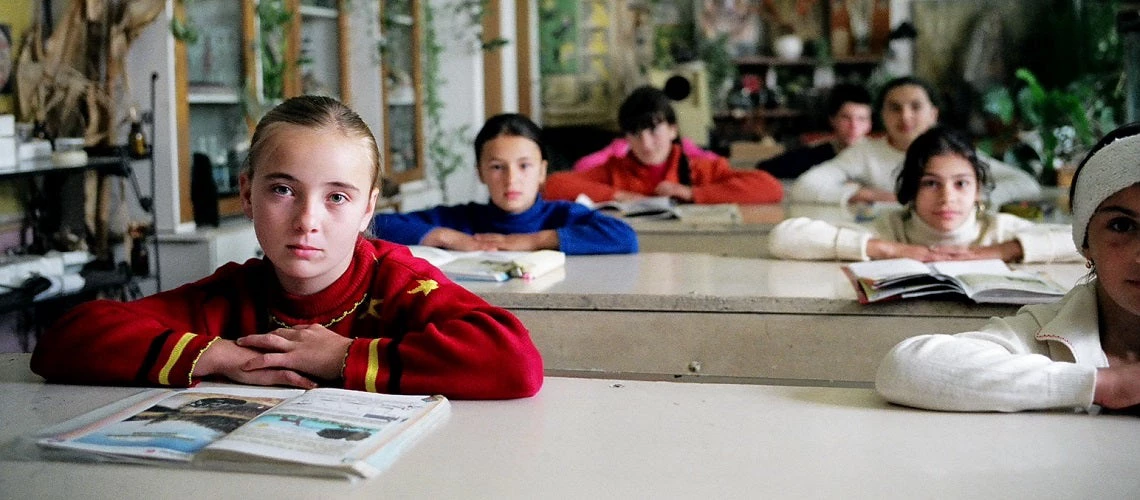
140 255
840 27
137 146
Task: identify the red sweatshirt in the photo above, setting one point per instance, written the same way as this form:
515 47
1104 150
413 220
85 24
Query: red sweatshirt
415 331
713 181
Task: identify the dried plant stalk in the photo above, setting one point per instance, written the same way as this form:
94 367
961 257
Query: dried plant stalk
73 81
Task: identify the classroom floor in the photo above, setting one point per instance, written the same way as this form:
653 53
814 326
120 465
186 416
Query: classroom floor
10 340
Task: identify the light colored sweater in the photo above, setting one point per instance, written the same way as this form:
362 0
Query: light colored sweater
1044 357
802 238
875 163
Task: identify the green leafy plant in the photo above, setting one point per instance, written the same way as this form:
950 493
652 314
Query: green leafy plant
444 144
719 64
1069 92
1067 120
183 28
274 16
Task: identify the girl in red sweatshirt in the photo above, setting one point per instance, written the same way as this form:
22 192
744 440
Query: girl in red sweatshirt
658 166
324 307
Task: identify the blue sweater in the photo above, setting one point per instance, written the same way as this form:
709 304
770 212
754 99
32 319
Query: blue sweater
581 231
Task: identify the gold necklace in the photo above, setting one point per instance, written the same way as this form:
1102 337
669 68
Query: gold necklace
273 319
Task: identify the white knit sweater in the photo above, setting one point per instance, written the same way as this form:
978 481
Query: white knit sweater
1044 357
875 163
802 238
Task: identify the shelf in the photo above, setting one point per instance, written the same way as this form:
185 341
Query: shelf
321 12
760 113
402 19
95 280
867 59
205 95
45 166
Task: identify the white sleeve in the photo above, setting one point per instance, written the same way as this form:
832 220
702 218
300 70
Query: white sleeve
1011 183
1048 243
827 182
801 238
993 369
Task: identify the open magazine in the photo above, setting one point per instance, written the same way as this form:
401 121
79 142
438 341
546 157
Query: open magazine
980 280
321 432
491 266
664 207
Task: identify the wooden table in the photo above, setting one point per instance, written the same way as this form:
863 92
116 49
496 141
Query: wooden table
661 315
594 438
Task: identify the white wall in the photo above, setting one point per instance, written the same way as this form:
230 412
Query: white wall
364 65
509 69
153 52
462 93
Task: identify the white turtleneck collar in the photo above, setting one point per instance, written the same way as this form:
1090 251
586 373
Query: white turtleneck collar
918 232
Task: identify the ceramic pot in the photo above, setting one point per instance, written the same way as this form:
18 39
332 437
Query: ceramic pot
789 47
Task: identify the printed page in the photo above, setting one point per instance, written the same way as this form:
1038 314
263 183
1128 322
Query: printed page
435 256
170 425
1013 287
961 267
326 427
878 270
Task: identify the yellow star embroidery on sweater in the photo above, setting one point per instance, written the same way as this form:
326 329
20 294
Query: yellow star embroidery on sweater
373 309
426 286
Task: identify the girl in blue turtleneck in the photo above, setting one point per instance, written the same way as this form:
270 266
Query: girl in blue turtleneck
512 163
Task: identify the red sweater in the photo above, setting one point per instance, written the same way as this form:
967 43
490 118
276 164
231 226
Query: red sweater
415 331
713 181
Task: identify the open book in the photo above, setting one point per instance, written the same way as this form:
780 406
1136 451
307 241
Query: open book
980 280
321 432
491 266
664 207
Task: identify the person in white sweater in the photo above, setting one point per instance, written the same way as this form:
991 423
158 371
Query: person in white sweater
1080 353
866 171
942 184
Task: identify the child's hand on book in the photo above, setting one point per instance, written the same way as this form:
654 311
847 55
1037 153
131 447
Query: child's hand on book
882 249
227 359
309 349
674 190
620 195
541 240
1009 251
445 237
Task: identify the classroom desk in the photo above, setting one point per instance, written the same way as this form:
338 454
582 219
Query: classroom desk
748 238
596 438
662 315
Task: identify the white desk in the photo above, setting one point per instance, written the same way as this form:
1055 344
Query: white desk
748 238
591 438
664 315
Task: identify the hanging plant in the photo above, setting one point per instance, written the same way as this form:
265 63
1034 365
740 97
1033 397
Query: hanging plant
273 16
445 143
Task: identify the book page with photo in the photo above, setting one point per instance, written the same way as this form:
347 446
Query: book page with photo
321 432
989 281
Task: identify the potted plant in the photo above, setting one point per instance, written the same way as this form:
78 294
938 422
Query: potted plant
1058 124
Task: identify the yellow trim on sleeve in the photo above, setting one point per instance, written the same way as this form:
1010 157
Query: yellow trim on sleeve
190 376
175 353
373 365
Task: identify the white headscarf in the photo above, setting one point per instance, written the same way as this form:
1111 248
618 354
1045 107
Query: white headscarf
1114 164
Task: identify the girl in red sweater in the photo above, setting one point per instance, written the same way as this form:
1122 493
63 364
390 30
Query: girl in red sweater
324 307
658 165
